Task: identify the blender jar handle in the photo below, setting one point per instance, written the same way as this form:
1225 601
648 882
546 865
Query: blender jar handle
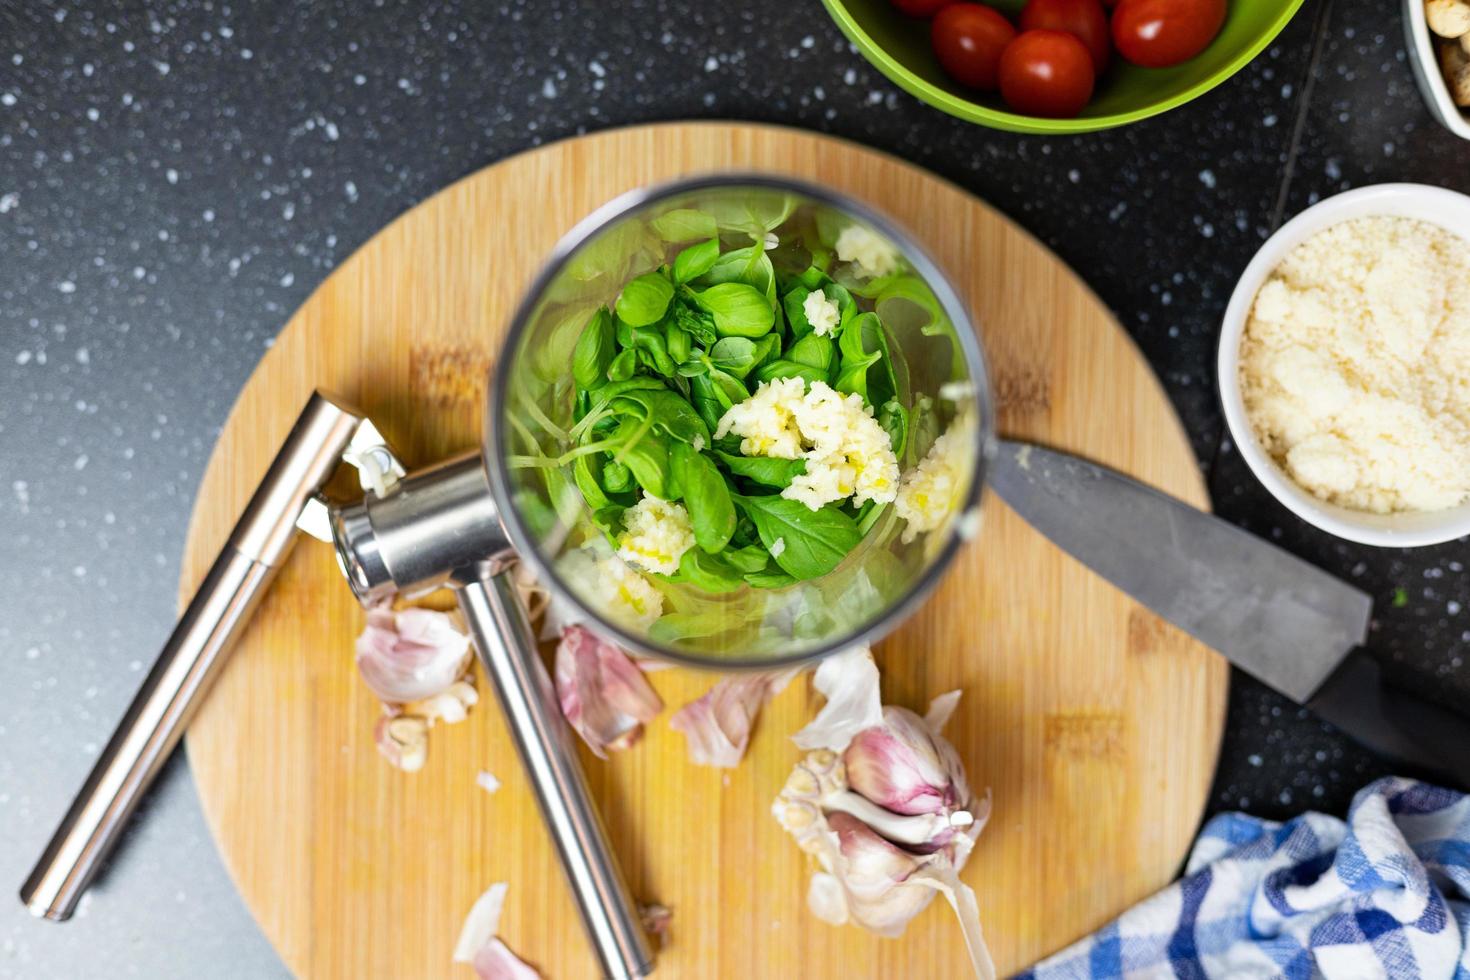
506 646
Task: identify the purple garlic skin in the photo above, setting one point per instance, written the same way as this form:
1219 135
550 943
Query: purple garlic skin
903 766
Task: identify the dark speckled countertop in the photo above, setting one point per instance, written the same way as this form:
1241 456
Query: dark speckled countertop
176 178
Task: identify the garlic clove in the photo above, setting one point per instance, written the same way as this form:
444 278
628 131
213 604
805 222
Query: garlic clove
824 896
603 694
923 832
903 766
403 740
411 654
849 681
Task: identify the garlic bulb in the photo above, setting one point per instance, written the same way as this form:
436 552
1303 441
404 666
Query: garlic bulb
603 694
718 724
883 805
411 654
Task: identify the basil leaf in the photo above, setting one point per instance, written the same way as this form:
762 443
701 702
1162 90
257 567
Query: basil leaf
739 310
609 521
616 477
734 355
696 260
647 458
644 300
595 350
706 401
852 371
694 368
882 377
623 366
684 225
815 541
706 497
767 349
711 573
584 473
894 419
790 369
923 428
669 413
751 558
768 471
679 344
699 324
653 350
728 390
794 303
769 580
813 351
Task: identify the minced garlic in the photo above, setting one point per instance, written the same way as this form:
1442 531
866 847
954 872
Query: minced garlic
847 453
656 535
871 254
821 313
1354 365
931 491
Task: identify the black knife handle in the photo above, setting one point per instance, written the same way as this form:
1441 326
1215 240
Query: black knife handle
1409 730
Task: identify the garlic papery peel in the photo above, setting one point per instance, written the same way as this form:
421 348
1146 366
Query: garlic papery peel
487 781
905 766
411 654
495 961
483 922
603 694
717 725
479 946
849 681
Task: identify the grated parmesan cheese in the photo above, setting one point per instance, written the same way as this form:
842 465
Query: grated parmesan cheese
1355 361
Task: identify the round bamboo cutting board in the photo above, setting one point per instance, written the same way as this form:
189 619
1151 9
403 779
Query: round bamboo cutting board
1095 724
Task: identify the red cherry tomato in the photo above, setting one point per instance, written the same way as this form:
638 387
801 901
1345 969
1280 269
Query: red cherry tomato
1046 73
968 39
1083 19
1160 33
920 8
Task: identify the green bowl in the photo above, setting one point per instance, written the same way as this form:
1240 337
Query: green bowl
899 47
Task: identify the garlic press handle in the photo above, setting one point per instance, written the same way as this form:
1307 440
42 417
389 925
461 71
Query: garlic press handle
507 648
191 658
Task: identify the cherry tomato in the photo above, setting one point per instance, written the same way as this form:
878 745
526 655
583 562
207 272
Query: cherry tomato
920 8
1083 19
1160 33
968 39
1046 73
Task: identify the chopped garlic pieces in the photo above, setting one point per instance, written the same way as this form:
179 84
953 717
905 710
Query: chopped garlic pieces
847 452
821 313
657 534
766 421
871 254
931 491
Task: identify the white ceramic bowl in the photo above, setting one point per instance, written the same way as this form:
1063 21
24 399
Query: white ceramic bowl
1445 208
1422 56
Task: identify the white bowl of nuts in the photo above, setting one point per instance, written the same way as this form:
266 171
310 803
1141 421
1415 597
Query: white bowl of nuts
1439 49
1342 361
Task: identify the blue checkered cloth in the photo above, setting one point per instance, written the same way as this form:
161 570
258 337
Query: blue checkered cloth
1386 894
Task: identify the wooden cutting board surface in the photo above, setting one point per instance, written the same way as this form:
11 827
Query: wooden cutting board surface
1095 724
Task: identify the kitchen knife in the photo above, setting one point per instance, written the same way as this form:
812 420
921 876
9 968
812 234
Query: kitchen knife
1280 619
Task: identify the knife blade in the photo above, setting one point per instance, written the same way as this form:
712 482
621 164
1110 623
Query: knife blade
1280 619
